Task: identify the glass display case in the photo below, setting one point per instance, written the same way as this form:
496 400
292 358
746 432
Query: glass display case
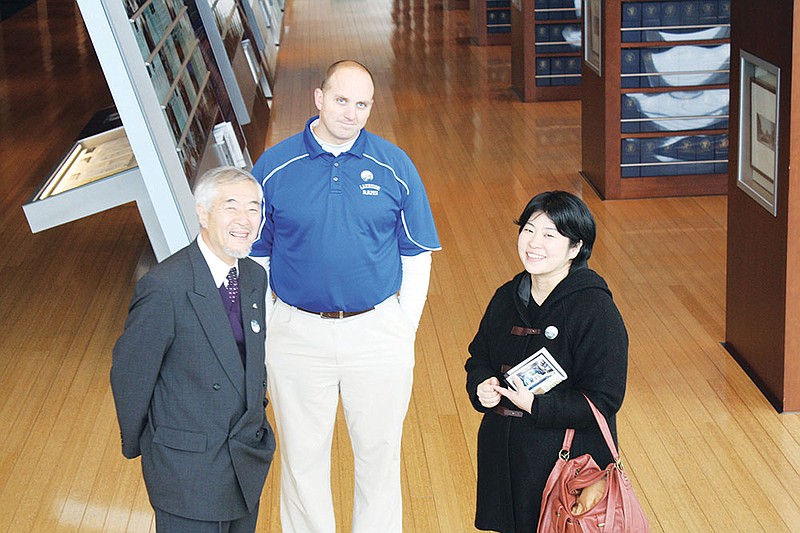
165 112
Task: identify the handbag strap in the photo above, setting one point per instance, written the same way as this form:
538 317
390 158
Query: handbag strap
567 444
601 421
569 434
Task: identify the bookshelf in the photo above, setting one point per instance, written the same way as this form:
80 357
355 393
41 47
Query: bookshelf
655 116
546 49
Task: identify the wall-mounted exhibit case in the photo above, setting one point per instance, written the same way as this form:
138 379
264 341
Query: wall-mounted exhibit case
163 82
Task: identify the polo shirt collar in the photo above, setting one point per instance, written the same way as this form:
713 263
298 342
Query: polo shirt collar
315 150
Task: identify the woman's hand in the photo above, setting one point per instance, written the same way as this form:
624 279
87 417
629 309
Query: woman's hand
487 392
522 397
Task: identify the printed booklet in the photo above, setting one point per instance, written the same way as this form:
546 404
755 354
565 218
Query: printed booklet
538 373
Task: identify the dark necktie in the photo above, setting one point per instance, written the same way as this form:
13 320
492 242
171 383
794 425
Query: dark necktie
230 298
233 286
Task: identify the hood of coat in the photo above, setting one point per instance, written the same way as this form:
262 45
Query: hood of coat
580 278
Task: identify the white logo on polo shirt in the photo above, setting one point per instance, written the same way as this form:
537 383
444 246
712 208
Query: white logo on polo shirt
368 189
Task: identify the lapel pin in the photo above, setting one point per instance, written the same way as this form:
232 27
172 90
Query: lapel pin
255 306
255 326
551 332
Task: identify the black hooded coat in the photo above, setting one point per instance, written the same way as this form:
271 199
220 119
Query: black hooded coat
516 455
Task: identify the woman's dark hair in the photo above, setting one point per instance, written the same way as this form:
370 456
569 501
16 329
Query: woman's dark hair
571 217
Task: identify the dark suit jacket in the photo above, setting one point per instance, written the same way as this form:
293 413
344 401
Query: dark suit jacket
184 401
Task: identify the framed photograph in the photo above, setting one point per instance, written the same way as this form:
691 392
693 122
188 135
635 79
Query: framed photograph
763 137
538 373
592 31
759 114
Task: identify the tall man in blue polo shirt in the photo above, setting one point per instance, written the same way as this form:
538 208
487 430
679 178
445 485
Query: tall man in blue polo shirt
346 237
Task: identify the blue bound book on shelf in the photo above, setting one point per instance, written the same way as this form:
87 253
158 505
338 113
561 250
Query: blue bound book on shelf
704 152
630 65
670 14
651 14
558 68
543 36
504 16
542 33
539 10
632 15
647 150
573 68
557 36
647 154
572 35
573 65
668 151
629 110
690 13
630 155
631 18
708 12
721 153
686 150
724 11
556 33
542 69
629 107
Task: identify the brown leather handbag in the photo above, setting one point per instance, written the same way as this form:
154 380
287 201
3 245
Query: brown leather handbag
580 497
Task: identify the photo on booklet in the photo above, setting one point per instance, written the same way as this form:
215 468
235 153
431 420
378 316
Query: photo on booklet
538 373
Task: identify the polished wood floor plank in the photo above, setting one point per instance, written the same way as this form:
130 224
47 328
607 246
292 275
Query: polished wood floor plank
704 448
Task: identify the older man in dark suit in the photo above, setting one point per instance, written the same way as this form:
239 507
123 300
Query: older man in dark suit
188 372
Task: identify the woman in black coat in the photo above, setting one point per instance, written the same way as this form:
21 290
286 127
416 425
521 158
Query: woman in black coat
558 303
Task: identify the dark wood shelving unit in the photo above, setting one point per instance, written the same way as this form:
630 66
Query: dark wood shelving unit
545 50
655 118
491 22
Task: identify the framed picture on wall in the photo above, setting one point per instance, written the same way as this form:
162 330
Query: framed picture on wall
592 31
763 137
759 138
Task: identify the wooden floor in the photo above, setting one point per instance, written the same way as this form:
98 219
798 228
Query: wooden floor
707 452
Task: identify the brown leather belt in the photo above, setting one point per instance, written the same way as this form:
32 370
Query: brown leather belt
505 411
336 314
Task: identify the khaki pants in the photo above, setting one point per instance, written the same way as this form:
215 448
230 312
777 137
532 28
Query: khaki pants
368 360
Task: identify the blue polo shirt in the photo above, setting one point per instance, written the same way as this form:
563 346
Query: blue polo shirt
335 227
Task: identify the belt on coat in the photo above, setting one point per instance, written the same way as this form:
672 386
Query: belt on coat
505 411
335 314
